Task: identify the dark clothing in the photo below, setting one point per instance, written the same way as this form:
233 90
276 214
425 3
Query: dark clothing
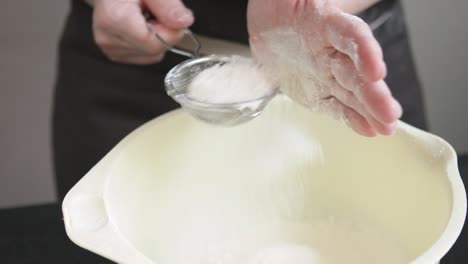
98 102
220 19
402 77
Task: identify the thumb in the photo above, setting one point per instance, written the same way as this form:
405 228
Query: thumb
171 13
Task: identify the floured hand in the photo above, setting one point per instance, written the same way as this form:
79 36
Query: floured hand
326 60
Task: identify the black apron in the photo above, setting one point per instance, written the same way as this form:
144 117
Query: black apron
98 102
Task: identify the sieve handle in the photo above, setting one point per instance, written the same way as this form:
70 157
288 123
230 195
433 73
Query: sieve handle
149 17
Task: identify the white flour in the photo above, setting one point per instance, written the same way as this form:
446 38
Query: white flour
321 242
303 76
239 80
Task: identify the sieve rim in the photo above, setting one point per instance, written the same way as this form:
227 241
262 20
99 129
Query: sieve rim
182 98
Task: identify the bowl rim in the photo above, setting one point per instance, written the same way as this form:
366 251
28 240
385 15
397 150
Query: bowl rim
453 228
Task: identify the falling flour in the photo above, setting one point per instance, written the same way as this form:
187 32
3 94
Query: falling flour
239 80
280 183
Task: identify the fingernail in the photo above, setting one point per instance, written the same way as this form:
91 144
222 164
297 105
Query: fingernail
184 16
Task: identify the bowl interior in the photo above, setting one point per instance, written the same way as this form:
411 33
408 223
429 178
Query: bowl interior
186 192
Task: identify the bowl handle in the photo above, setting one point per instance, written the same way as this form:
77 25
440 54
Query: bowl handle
87 221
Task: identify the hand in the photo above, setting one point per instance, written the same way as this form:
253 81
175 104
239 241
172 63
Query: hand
120 28
326 60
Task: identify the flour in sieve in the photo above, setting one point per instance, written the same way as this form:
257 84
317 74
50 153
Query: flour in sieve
239 80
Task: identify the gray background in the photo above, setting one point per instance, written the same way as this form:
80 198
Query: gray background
29 32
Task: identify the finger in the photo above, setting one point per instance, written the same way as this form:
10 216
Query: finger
145 60
375 96
348 99
136 59
344 71
171 13
130 32
117 46
384 129
352 118
352 36
377 99
138 36
358 123
169 35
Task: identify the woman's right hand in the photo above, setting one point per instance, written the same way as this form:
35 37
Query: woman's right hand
120 28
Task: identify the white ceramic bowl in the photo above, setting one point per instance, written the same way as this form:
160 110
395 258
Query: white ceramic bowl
178 190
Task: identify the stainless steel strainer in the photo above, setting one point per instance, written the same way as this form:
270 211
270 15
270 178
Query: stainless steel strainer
179 78
229 114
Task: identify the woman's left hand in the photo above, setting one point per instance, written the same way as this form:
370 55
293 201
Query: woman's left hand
342 56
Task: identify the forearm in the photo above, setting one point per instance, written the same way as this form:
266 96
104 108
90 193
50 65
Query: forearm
353 6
